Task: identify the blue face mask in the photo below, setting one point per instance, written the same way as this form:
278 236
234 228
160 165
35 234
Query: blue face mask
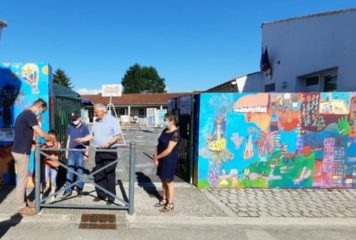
38 114
165 124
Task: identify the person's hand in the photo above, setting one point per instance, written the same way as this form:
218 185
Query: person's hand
107 145
78 140
155 161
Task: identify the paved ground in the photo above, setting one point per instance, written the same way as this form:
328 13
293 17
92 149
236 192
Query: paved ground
286 202
55 231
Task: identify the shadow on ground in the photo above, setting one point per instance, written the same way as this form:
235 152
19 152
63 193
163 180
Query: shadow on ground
7 224
147 185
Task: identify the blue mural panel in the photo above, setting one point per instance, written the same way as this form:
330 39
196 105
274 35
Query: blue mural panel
20 85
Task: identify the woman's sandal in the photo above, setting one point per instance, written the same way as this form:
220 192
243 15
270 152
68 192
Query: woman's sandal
168 207
162 203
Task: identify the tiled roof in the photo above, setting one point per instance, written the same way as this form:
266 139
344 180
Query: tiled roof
137 99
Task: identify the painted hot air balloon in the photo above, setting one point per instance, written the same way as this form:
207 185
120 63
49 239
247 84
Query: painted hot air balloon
30 73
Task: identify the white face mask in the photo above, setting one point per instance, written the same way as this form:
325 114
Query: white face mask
76 123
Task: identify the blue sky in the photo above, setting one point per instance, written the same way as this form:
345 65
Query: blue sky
194 44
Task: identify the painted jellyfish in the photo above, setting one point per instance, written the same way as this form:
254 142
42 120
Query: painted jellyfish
30 74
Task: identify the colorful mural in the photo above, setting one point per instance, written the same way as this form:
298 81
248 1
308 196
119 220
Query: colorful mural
277 140
20 85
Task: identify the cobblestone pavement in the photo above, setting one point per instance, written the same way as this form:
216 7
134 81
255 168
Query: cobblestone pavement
318 203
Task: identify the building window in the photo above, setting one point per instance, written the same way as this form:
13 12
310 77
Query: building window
141 112
312 84
312 81
325 81
270 87
330 83
121 111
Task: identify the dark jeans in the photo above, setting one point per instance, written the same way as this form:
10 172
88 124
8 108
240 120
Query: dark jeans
107 177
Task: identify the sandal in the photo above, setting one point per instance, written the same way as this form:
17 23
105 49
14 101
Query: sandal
167 208
162 203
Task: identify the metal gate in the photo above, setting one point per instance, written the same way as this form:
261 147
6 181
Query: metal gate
86 178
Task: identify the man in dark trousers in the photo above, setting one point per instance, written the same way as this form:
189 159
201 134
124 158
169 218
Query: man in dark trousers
26 123
105 133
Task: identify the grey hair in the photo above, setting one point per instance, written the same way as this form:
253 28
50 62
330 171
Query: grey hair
101 107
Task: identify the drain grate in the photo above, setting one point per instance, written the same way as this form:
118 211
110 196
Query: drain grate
98 221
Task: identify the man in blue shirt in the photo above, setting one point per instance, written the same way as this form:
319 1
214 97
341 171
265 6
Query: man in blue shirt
105 133
75 159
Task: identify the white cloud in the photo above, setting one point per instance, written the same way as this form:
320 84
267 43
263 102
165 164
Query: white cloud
85 91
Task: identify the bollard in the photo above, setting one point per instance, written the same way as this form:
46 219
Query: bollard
132 177
37 177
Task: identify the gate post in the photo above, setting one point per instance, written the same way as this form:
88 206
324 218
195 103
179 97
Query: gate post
132 177
37 176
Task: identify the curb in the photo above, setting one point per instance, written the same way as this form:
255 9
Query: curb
135 221
39 218
145 221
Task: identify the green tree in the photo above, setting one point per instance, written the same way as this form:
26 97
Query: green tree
142 79
61 78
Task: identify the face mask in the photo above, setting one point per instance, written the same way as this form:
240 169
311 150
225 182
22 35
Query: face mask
165 124
76 123
38 114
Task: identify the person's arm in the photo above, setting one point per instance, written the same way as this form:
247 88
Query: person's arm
112 141
87 138
42 134
167 151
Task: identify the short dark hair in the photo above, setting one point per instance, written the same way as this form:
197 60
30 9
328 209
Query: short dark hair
53 132
40 102
172 117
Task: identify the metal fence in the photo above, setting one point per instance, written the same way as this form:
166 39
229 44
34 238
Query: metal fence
86 178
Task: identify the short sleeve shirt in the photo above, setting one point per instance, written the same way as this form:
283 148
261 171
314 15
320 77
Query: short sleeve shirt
77 132
104 130
165 138
24 132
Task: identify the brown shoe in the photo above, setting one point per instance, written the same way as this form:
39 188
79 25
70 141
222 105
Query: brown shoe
26 211
30 204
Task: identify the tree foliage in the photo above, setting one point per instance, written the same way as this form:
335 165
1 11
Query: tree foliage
142 79
61 78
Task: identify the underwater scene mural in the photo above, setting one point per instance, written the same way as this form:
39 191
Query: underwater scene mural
277 140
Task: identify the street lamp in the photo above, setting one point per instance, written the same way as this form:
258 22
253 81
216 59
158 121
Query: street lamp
3 25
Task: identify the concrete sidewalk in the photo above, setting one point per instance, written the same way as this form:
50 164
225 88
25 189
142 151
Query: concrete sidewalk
193 207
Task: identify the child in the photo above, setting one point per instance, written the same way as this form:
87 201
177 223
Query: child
51 166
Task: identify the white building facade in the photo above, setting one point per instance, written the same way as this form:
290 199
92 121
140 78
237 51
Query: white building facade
311 53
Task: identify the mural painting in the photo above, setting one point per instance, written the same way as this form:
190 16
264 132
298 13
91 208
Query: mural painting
20 85
277 140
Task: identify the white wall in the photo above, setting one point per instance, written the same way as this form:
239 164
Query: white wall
311 44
